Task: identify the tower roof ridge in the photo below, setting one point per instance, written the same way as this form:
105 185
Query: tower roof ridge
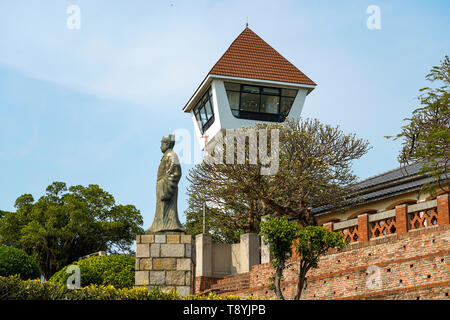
249 56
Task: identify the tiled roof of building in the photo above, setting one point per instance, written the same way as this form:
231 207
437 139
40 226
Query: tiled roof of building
391 175
249 56
387 184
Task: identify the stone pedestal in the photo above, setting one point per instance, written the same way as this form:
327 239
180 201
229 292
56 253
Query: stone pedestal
166 261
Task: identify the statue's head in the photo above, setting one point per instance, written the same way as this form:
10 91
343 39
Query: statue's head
167 143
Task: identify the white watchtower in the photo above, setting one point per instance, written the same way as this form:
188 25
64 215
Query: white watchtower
250 83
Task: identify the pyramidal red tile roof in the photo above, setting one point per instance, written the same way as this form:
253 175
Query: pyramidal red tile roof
249 56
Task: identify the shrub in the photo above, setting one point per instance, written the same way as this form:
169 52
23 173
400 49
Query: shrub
13 288
113 270
14 261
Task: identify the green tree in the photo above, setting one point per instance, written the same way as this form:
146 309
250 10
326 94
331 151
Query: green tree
66 224
426 134
314 170
14 261
311 243
280 234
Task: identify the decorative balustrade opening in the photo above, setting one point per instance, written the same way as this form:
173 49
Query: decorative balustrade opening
422 219
399 220
382 227
350 234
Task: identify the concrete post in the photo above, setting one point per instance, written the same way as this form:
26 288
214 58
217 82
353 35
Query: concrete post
250 251
203 254
266 254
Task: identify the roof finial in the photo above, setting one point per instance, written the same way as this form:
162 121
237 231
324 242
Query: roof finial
246 23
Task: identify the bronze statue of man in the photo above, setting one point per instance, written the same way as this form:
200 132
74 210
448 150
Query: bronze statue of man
169 174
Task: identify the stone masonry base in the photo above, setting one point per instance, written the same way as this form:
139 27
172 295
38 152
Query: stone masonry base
165 260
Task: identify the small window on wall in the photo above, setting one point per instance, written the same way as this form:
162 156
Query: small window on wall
204 112
259 103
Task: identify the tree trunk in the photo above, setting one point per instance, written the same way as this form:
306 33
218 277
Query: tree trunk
277 282
301 281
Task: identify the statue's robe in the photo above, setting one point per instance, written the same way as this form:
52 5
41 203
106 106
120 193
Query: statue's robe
166 214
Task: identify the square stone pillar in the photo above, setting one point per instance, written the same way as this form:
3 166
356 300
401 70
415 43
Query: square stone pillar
250 251
165 260
266 254
203 255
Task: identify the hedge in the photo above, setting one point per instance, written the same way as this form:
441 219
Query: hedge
115 270
14 261
14 288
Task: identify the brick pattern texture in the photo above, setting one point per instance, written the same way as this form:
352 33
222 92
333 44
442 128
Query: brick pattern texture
413 265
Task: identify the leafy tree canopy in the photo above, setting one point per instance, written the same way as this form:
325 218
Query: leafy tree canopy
67 223
311 243
14 261
314 169
426 134
280 234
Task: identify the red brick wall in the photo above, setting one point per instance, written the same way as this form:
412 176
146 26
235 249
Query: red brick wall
203 283
413 265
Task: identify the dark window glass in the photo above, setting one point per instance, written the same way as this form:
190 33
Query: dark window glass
286 104
271 91
250 102
289 93
232 86
204 112
269 104
209 110
199 119
233 99
250 89
258 102
204 116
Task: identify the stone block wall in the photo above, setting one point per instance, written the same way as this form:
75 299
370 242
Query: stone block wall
165 260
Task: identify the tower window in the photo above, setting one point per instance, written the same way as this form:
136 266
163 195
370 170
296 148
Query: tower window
259 103
203 112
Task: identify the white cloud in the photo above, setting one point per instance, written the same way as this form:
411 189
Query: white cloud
143 52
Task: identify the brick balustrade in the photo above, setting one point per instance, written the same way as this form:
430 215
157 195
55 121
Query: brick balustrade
407 244
402 219
413 265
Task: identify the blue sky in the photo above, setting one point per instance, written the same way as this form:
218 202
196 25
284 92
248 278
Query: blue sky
90 105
